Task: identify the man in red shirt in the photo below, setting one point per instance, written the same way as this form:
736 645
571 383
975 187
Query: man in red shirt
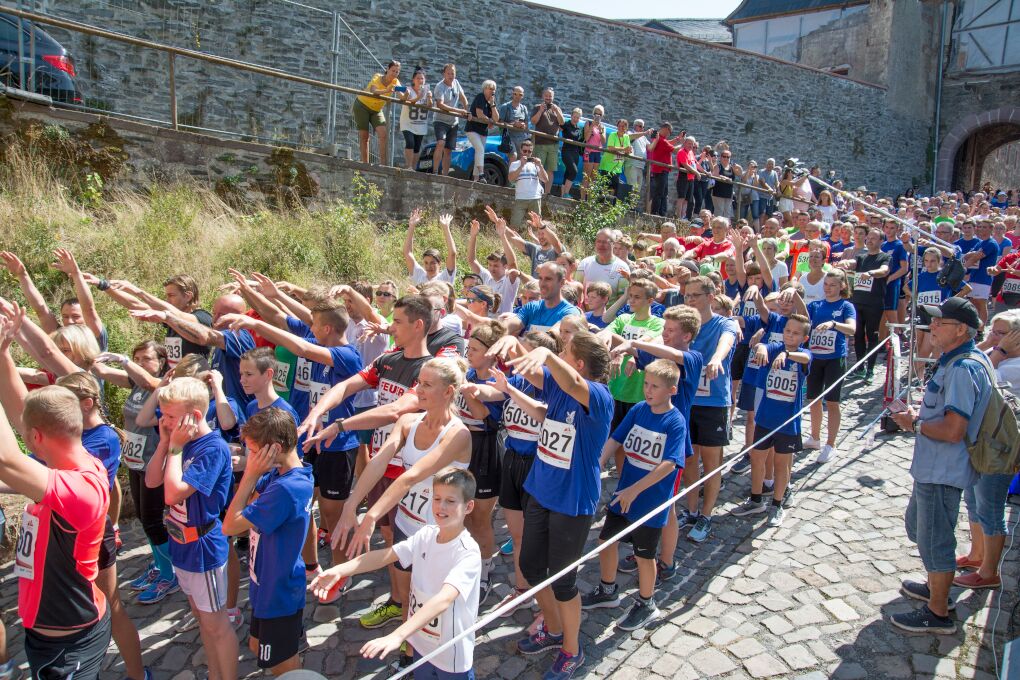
719 247
660 150
687 163
66 619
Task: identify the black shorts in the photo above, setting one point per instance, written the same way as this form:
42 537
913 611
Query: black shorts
79 655
108 548
334 473
399 536
278 638
412 142
620 410
710 425
739 362
446 132
511 480
782 443
645 539
486 463
684 187
825 373
747 397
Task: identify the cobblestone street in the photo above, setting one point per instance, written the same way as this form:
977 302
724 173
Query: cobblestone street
809 600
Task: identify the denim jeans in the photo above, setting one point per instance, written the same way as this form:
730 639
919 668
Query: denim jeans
986 503
931 524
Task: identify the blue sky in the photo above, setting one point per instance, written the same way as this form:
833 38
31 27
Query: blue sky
660 9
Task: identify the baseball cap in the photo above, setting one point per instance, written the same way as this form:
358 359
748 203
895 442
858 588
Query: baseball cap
956 309
691 266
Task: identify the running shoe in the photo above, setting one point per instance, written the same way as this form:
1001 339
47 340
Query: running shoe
236 617
664 572
627 565
701 530
539 642
640 615
742 466
513 594
381 615
686 518
750 507
484 590
158 591
323 538
918 590
330 599
9 670
827 453
924 620
789 498
507 549
776 516
601 596
189 623
147 578
812 443
565 666
116 538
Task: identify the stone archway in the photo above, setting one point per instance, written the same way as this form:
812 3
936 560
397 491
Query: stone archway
965 147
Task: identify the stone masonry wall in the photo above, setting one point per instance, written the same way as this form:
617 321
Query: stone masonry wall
762 107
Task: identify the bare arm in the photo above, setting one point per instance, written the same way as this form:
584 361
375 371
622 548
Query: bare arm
12 390
35 299
569 380
41 348
451 246
67 264
472 255
278 336
19 472
412 222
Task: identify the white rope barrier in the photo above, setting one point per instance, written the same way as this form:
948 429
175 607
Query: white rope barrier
727 464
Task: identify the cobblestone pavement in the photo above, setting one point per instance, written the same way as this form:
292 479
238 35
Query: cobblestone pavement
808 600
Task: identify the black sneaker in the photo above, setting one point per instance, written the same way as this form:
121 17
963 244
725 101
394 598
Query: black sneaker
742 466
919 591
663 572
687 518
627 565
601 597
924 620
789 498
640 615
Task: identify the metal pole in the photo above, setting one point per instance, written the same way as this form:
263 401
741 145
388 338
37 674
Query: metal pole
333 74
21 50
31 59
938 93
912 348
173 93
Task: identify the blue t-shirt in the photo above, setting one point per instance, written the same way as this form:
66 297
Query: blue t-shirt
830 344
298 396
649 439
228 362
655 309
715 392
494 408
690 374
733 289
897 256
595 319
346 363
836 249
990 248
280 515
103 443
280 403
752 324
522 431
565 475
206 466
781 392
213 420
536 316
928 291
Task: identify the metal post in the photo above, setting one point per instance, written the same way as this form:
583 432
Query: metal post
912 322
21 49
334 72
173 92
938 94
31 59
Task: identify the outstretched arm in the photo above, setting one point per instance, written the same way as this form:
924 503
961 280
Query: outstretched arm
451 247
67 264
412 222
476 267
35 299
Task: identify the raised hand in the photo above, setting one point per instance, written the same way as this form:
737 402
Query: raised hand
446 219
65 261
13 263
491 214
415 218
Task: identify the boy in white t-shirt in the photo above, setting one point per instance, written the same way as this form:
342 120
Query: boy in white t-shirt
443 603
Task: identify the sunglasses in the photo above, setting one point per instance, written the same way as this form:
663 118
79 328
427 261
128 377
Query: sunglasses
382 293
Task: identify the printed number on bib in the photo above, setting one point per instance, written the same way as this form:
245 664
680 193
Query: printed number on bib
633 332
253 551
303 374
704 384
519 424
930 297
464 413
414 506
823 341
24 550
775 336
415 114
315 392
749 308
432 630
863 283
644 448
1011 286
174 350
134 446
556 443
781 385
280 375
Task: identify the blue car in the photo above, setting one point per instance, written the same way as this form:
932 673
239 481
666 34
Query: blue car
497 163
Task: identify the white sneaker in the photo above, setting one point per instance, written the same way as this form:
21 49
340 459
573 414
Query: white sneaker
827 453
189 623
235 617
812 443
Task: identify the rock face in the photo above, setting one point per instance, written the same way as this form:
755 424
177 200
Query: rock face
762 106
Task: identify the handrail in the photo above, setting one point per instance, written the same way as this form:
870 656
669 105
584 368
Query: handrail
174 51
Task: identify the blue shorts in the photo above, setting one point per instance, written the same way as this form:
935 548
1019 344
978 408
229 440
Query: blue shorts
986 503
892 295
746 398
931 524
427 671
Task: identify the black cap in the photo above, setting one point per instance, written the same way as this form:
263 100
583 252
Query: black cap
956 309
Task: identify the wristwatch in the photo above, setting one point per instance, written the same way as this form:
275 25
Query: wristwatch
175 452
917 426
340 425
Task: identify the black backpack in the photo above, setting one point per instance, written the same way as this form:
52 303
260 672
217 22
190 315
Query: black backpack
952 273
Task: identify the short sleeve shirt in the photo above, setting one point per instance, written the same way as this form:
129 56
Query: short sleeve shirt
536 316
206 468
450 96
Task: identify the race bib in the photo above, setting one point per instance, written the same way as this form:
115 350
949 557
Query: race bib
179 513
556 443
280 375
315 392
633 332
929 297
519 424
781 385
253 551
1011 286
749 308
704 384
464 413
174 351
433 630
134 447
415 508
775 336
863 283
644 447
24 551
303 374
823 341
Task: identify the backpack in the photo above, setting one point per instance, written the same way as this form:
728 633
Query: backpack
951 276
997 447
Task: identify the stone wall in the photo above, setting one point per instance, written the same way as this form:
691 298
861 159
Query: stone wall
1002 168
764 107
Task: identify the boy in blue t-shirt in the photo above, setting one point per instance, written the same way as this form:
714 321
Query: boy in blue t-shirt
257 371
783 369
192 462
652 436
273 504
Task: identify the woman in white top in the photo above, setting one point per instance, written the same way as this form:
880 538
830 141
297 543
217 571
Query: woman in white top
414 122
814 278
826 207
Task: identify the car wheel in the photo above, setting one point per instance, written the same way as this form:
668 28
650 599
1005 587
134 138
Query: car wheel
495 174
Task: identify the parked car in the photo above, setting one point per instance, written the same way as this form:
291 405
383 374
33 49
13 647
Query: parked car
497 163
52 72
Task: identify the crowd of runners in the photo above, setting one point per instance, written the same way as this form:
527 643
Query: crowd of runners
411 409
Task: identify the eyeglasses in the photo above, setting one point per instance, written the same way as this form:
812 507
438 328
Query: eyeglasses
726 155
472 299
383 293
